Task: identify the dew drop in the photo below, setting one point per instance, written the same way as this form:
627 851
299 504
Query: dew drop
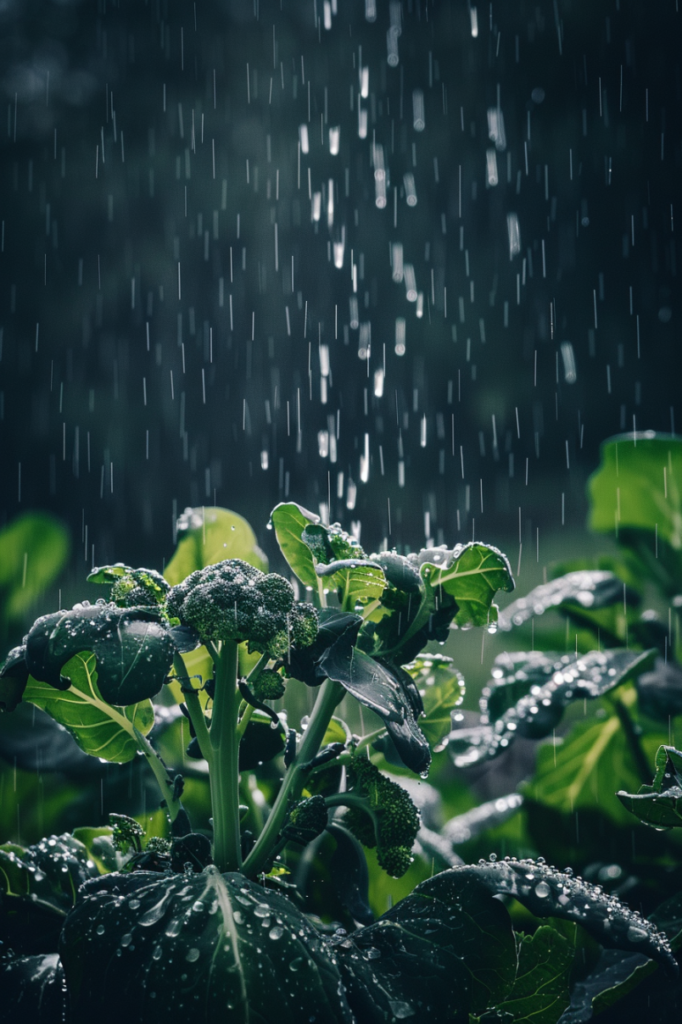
276 933
192 955
542 889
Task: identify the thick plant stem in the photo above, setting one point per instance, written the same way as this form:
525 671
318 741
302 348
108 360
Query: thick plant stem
329 695
195 710
225 761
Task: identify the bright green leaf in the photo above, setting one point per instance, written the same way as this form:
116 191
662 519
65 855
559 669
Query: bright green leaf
210 535
33 550
441 687
289 521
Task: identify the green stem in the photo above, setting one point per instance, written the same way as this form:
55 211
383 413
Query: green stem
194 708
245 719
163 779
258 668
633 741
225 760
328 697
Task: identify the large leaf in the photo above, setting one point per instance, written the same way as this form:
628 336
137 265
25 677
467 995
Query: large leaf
289 520
530 691
304 664
205 947
97 727
356 580
38 888
133 646
588 767
445 950
540 992
33 989
639 486
33 550
482 818
471 574
210 535
583 590
381 688
441 687
547 892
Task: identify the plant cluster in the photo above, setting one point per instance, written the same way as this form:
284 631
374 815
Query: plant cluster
159 917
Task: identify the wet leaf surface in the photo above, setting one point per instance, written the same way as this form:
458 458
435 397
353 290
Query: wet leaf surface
615 974
210 535
659 804
441 686
200 945
541 988
98 728
33 990
584 589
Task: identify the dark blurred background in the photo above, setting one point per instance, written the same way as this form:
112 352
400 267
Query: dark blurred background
174 329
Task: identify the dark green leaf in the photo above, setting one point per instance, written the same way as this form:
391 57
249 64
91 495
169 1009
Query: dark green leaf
615 974
304 664
13 678
445 950
660 691
585 589
441 687
177 947
97 727
468 825
210 535
379 687
133 646
38 888
399 571
540 991
530 691
547 892
659 804
261 742
33 990
289 521
348 868
668 918
33 550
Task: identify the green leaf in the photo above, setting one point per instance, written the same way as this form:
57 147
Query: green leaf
578 594
289 520
38 887
659 804
482 818
134 649
614 976
441 952
202 946
639 485
33 550
547 892
356 580
381 688
587 768
530 691
210 535
261 742
33 989
98 728
99 844
540 992
471 574
441 687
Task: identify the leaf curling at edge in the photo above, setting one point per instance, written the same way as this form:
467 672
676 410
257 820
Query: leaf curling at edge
660 804
534 715
589 589
209 929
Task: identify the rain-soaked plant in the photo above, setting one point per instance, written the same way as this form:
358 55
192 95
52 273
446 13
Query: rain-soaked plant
206 924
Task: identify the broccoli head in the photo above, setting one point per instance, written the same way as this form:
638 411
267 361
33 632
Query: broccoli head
268 686
235 601
307 820
132 587
389 820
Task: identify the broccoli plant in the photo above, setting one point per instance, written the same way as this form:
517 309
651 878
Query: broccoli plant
209 919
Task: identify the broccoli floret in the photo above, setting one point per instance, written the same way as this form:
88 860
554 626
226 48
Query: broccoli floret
139 587
307 820
388 821
127 833
235 601
158 845
268 686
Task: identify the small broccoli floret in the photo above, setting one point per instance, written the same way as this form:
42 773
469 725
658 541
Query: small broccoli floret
158 845
268 686
139 587
127 833
388 821
235 601
307 820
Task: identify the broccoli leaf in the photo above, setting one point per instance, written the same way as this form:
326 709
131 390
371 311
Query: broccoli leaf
540 991
38 888
381 688
33 989
445 950
348 869
482 818
289 521
208 536
133 646
659 804
442 689
530 691
162 947
471 574
576 592
98 728
357 580
305 664
260 742
614 975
